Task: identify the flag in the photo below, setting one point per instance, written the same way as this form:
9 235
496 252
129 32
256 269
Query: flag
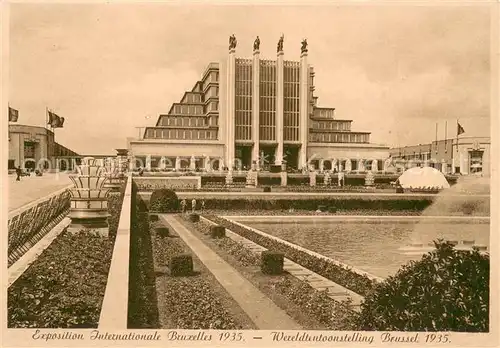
54 120
460 129
13 114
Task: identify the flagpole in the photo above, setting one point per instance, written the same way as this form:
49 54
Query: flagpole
445 135
457 134
436 137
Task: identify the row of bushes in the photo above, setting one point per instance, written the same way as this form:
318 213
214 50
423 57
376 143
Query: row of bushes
191 302
360 284
316 304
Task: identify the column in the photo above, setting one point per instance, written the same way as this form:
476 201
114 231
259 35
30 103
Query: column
321 165
304 108
231 82
192 163
221 164
177 163
255 108
206 165
361 165
279 108
148 162
464 163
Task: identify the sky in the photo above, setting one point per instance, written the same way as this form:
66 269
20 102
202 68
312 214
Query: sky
108 68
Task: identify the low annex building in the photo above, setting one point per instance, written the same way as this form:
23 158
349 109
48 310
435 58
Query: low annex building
255 112
34 147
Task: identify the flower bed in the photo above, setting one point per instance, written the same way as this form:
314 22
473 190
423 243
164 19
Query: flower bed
64 287
193 302
360 284
283 289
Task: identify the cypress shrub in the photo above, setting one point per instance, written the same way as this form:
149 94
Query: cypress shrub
181 265
153 217
194 217
272 262
267 189
162 231
164 201
217 231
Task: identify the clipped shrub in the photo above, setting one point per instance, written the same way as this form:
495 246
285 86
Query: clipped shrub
153 217
447 290
332 209
181 265
217 231
164 201
321 207
162 231
267 188
193 217
272 262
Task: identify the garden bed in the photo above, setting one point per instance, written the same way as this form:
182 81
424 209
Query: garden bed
158 300
312 309
65 285
344 276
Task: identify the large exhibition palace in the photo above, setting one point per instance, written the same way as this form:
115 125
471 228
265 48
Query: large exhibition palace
255 112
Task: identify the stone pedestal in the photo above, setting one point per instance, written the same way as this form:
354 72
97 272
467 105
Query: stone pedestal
229 178
327 179
312 178
89 203
284 178
369 179
251 179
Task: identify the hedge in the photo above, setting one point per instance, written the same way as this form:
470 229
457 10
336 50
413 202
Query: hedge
142 301
312 204
360 284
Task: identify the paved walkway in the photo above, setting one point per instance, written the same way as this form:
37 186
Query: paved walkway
31 188
261 310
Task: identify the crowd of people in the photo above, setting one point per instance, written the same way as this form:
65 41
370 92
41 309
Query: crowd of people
184 205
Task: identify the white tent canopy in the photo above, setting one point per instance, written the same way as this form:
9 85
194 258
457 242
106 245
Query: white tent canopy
422 177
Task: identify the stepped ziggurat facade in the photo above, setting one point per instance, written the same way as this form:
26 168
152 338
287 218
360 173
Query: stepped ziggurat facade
252 113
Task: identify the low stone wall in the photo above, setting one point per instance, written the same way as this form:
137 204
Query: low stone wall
28 224
179 182
114 306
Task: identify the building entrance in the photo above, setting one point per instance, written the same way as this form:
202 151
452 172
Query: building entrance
267 156
291 156
243 157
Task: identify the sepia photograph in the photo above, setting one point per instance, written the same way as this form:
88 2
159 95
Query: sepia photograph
249 173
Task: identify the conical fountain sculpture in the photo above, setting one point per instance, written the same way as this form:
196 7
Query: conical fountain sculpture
113 174
89 203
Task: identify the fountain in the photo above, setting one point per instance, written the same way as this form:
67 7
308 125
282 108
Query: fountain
466 203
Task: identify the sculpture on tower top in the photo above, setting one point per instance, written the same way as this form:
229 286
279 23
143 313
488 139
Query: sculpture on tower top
303 49
256 44
232 42
280 43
